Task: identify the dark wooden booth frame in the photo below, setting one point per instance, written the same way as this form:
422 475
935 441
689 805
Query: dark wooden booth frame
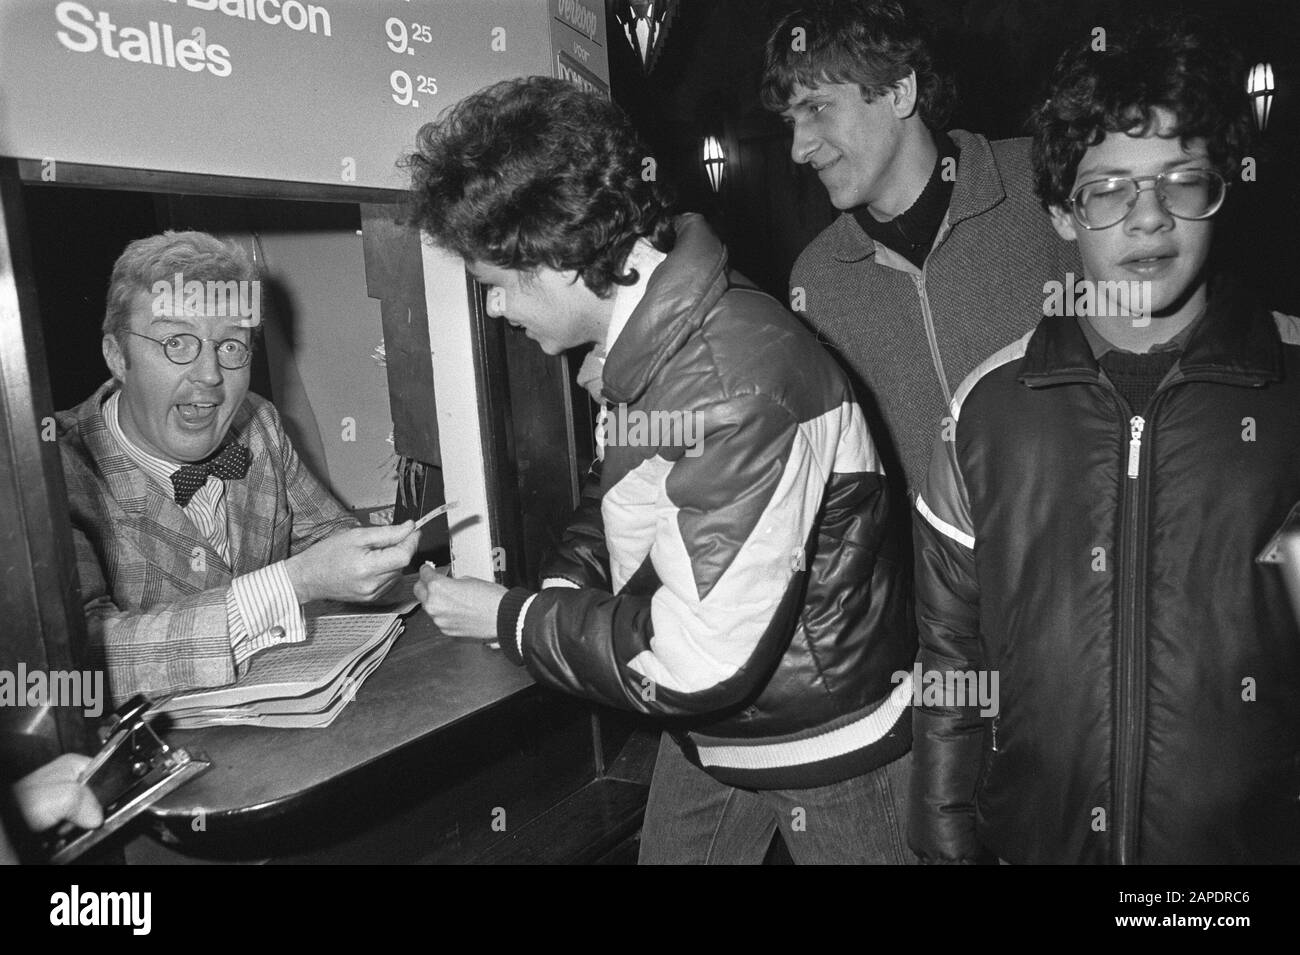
583 813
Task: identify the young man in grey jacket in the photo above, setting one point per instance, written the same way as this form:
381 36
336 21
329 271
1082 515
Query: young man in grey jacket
941 253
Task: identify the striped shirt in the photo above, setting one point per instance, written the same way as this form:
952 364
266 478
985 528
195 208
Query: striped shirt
262 607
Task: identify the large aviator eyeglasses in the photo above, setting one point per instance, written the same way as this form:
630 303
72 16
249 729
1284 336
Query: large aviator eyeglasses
183 348
1183 193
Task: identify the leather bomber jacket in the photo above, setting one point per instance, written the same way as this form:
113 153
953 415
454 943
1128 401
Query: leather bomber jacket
1103 564
744 588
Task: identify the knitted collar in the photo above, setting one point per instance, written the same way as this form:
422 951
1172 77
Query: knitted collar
978 189
911 233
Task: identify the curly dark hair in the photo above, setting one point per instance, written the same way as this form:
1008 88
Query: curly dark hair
874 43
1177 65
535 172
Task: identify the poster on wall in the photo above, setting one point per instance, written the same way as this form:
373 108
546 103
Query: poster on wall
578 44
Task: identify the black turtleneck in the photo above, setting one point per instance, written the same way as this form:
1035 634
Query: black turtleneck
911 233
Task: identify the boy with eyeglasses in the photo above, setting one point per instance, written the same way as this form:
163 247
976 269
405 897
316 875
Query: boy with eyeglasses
199 532
1089 527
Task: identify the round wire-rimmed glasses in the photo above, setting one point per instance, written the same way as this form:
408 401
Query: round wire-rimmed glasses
184 348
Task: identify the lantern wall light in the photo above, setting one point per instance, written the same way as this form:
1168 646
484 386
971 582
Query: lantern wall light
1260 86
645 24
715 161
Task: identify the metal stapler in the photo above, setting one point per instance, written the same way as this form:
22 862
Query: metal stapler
133 769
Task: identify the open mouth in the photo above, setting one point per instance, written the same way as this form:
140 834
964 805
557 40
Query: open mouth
198 413
1148 255
1146 264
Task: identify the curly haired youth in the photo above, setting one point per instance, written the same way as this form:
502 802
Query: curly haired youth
874 43
535 172
1175 65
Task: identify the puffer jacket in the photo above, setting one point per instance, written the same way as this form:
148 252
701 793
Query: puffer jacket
742 587
1102 563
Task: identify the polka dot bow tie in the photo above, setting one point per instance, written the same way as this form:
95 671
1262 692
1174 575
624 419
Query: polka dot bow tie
230 465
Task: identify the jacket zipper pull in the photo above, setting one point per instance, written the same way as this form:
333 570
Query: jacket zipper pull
1136 424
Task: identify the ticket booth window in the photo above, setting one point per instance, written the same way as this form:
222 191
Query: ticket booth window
394 385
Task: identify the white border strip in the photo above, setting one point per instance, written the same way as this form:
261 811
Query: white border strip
464 475
858 734
942 526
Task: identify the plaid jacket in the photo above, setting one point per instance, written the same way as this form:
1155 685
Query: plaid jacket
154 589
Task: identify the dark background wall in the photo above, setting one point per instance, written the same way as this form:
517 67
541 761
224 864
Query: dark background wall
1001 52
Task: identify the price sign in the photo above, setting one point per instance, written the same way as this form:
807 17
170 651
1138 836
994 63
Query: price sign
325 92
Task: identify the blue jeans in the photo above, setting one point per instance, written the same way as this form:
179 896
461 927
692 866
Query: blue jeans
692 819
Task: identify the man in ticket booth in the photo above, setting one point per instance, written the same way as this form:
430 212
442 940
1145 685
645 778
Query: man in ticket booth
199 532
728 569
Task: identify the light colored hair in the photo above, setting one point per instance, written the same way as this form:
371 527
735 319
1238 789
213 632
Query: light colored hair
195 255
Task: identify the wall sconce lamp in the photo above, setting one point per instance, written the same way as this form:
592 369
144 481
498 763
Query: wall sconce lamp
1260 86
715 161
646 23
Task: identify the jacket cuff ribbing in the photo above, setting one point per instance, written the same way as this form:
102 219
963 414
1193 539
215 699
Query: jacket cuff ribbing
508 622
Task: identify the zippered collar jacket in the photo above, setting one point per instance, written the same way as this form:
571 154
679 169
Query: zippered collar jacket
910 336
1097 564
741 584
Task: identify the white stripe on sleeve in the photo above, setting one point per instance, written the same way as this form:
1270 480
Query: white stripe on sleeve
942 526
519 624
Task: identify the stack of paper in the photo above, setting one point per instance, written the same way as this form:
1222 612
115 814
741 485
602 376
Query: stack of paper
298 685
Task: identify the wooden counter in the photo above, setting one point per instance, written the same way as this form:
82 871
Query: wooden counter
426 683
447 753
